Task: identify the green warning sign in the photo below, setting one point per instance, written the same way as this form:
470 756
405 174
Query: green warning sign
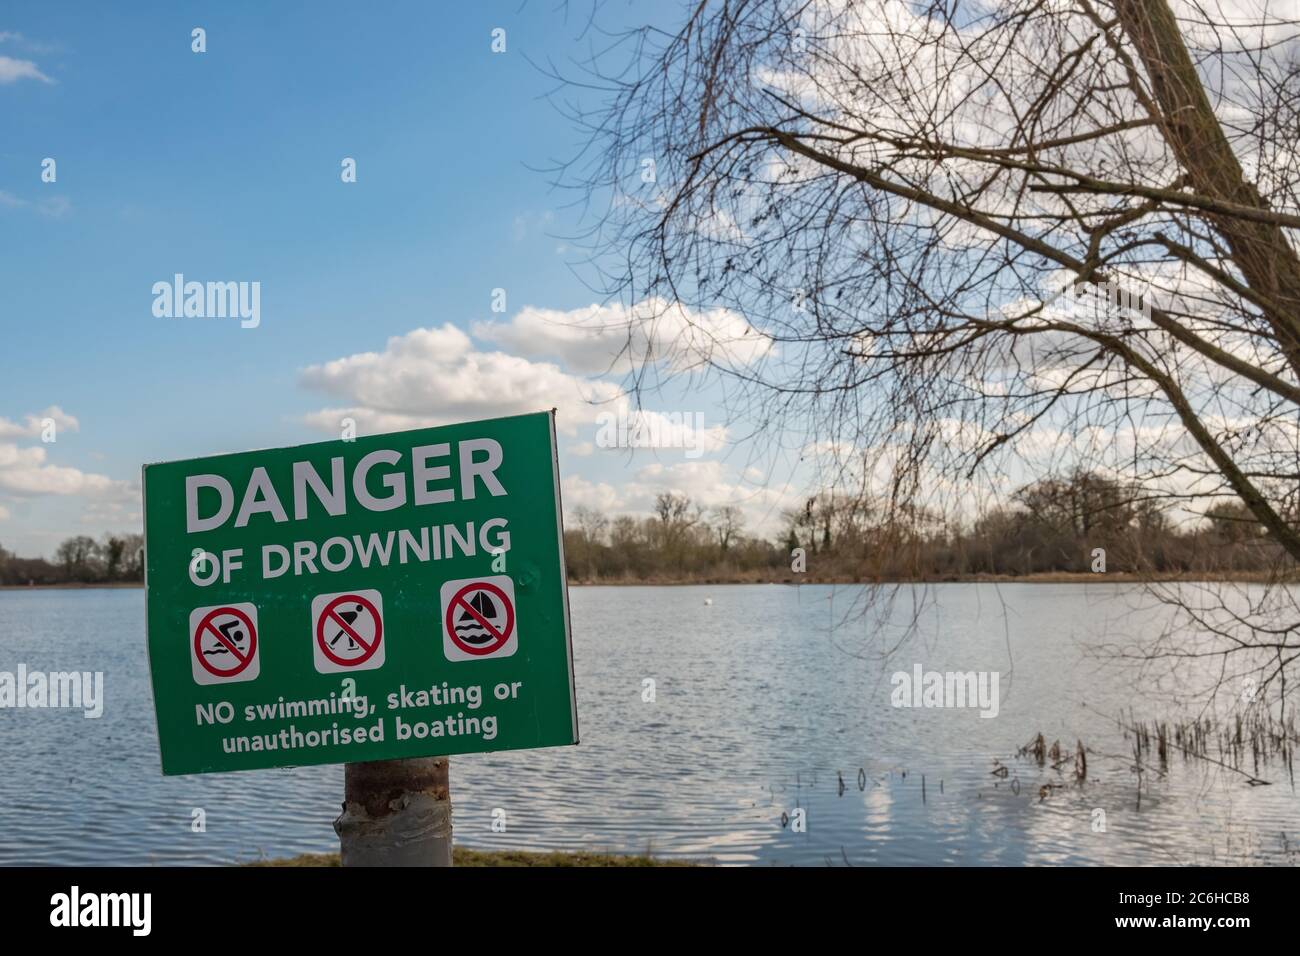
390 596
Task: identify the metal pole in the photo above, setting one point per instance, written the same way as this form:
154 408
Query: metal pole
395 813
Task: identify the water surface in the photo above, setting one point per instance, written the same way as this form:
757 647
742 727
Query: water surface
769 700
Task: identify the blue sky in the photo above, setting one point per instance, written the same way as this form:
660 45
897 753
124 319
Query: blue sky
225 166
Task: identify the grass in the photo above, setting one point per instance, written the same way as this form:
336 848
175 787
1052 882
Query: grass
462 856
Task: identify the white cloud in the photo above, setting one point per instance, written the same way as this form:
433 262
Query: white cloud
708 484
622 427
435 376
578 492
599 339
24 471
113 514
438 375
32 425
12 70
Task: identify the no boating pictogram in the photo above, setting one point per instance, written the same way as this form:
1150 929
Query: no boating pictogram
348 631
478 618
223 644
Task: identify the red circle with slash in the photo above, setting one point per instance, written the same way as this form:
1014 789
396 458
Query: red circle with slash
499 637
244 660
328 613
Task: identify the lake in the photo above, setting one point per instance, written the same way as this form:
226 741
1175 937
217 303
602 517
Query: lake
771 739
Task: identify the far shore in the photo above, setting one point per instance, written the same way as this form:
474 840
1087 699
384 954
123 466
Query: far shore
1048 577
462 856
73 586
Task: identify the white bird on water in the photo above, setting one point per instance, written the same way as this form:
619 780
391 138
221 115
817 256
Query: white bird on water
708 602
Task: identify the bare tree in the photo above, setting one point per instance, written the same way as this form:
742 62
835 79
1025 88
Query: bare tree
988 241
728 521
676 518
591 523
80 558
592 526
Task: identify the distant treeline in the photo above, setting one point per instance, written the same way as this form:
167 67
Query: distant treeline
1074 524
115 558
1056 525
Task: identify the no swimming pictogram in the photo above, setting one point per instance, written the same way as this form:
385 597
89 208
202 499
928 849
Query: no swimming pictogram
223 644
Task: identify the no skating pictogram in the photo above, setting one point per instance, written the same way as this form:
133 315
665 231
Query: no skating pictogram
348 631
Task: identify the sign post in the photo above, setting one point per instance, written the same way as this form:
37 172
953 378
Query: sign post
381 602
395 813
